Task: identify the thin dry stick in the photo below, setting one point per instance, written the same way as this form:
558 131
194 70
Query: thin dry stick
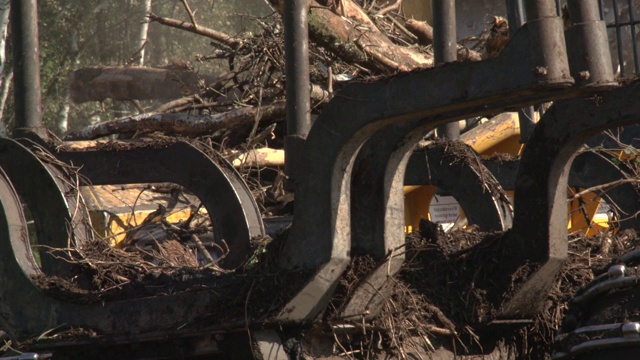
390 8
200 30
191 15
604 186
202 249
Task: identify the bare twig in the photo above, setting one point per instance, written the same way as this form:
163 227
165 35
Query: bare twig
191 16
200 30
604 186
203 249
390 8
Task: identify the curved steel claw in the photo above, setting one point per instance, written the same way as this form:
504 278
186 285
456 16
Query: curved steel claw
373 206
50 192
234 213
321 234
541 187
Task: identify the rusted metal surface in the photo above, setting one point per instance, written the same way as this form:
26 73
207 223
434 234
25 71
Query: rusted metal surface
587 170
321 239
478 192
534 67
118 321
234 213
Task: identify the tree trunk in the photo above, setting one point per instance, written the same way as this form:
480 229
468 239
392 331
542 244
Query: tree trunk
4 94
356 38
101 33
144 31
134 83
183 124
63 114
4 22
5 78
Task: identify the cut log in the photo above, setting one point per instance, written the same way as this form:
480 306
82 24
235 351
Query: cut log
182 124
356 39
134 83
257 158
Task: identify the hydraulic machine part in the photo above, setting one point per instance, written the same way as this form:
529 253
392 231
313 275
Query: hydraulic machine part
500 134
542 180
533 68
594 166
460 173
322 239
602 321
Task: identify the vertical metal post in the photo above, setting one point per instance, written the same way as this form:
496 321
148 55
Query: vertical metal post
537 9
588 45
445 48
526 116
515 15
26 68
296 36
634 43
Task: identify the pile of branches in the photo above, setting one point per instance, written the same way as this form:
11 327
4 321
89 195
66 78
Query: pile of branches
446 292
350 41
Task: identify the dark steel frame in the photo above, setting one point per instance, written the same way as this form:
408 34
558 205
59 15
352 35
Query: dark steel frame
234 214
534 67
617 25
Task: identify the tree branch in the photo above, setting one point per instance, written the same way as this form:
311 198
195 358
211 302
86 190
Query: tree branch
200 30
604 186
191 16
390 8
188 125
422 30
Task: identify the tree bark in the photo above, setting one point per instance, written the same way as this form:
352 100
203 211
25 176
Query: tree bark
4 24
4 94
6 77
359 42
134 83
183 124
422 30
197 29
144 30
63 115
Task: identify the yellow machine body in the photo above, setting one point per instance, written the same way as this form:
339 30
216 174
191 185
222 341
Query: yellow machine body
500 134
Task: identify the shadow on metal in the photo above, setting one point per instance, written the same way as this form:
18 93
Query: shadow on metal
235 216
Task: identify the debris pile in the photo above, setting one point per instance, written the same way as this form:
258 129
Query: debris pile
448 289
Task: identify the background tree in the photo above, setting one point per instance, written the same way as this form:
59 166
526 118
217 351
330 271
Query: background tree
80 33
